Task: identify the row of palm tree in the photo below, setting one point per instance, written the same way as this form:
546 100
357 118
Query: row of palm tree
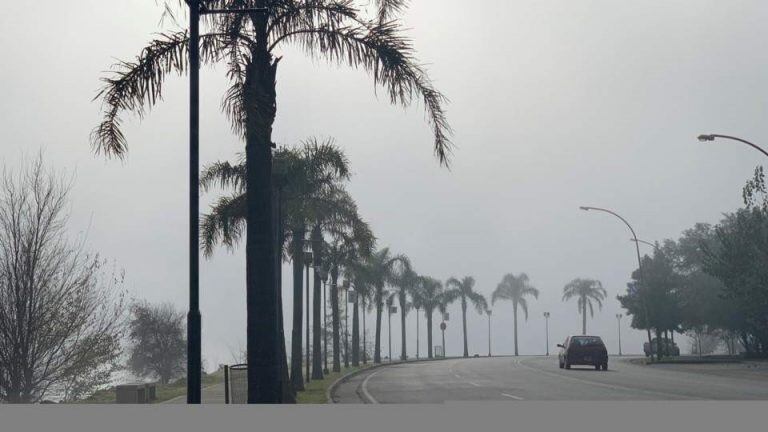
249 46
429 294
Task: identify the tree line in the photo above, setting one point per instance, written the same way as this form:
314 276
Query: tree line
711 281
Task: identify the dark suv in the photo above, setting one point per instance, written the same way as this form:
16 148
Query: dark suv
583 350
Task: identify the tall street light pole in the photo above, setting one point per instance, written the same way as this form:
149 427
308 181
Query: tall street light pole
325 326
488 311
639 263
194 340
346 323
618 318
546 325
711 137
308 263
442 329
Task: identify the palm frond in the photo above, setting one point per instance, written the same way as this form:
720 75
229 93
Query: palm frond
224 224
523 303
137 86
380 49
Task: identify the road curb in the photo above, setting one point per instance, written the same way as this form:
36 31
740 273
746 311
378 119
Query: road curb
344 378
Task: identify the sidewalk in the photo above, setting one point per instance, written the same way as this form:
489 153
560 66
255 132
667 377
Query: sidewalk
213 394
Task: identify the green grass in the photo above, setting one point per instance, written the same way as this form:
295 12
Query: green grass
314 391
164 392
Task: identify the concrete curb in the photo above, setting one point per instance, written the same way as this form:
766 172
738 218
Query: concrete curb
344 378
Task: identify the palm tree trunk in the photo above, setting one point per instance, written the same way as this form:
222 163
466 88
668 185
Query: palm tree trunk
262 331
288 394
379 307
356 332
464 325
659 341
429 332
317 294
297 246
335 318
514 312
584 316
403 354
365 352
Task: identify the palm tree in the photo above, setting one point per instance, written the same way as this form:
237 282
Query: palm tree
341 255
586 290
404 284
417 301
431 297
248 45
308 175
464 290
515 288
378 271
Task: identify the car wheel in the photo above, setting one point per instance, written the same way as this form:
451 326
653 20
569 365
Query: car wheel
597 367
605 366
560 364
567 365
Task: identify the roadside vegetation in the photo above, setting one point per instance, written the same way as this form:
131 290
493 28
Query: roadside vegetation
710 282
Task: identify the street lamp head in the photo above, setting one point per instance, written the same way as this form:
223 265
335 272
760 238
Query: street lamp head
546 314
584 208
619 316
706 137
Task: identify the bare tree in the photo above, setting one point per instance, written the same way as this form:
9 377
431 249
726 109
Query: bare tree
158 347
61 315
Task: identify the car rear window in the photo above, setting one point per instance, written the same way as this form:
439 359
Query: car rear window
586 341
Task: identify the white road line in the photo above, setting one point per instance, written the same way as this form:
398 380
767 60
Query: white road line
606 385
364 387
475 384
512 396
457 376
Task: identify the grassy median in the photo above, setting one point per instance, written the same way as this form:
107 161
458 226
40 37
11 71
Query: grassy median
315 391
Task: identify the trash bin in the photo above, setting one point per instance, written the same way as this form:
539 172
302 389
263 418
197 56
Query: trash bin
135 393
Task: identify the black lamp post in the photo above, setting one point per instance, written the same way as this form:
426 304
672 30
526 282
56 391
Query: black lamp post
345 286
194 342
618 318
489 331
324 278
308 263
546 324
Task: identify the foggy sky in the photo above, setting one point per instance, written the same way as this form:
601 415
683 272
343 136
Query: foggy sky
555 105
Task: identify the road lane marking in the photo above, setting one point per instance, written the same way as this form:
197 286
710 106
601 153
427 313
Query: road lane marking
457 376
512 396
475 384
364 387
605 385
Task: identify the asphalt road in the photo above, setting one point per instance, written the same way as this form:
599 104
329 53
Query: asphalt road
539 378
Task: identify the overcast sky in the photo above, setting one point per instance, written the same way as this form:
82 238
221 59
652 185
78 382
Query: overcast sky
555 104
